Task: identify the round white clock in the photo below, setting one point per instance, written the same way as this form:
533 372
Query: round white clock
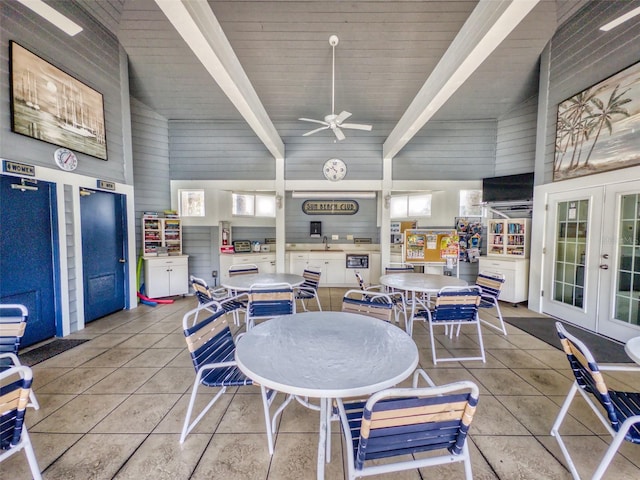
65 159
334 169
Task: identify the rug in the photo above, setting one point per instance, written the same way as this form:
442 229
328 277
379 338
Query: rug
603 349
48 350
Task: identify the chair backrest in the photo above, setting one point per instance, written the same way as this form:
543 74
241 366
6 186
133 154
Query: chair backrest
13 322
398 268
247 269
208 340
490 283
371 304
201 289
271 300
360 280
311 277
408 420
14 397
457 304
586 371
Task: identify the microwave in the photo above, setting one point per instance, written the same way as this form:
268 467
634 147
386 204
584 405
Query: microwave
355 260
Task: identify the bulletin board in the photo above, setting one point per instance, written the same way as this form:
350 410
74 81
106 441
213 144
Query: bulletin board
430 246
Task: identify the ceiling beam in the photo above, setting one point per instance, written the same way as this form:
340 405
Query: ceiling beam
487 26
200 29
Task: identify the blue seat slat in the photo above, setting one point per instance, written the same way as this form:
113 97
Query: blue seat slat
627 404
378 301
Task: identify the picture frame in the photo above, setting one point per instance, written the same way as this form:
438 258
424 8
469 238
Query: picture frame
598 129
50 105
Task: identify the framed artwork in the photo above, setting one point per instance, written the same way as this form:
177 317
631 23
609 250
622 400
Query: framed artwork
598 129
51 105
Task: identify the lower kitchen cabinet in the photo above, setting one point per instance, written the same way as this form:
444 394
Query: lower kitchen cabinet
266 262
516 276
166 276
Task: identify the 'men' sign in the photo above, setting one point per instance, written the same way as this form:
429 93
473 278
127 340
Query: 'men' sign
330 207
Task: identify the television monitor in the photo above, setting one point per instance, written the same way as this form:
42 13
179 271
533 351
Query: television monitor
508 188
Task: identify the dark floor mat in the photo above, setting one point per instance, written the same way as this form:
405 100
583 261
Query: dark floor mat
48 350
602 348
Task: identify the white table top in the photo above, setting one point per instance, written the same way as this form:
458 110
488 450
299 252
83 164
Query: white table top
632 347
244 282
420 282
327 354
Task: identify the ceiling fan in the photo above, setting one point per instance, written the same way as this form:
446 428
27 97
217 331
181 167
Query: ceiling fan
333 121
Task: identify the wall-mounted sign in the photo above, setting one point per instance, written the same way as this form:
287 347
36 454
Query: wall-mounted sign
19 168
106 185
330 207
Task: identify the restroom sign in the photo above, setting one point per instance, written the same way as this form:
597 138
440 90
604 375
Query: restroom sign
330 207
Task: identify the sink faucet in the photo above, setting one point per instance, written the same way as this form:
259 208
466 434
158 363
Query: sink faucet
326 242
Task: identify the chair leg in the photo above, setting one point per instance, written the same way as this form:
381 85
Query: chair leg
555 431
266 404
30 454
468 475
433 344
187 427
484 360
33 401
610 453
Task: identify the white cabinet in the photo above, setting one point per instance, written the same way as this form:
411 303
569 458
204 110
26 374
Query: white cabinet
375 269
332 265
516 275
266 262
508 237
166 276
298 261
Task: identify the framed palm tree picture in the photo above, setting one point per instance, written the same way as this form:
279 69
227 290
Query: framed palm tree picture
598 129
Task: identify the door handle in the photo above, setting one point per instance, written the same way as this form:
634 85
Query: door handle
605 256
122 260
604 267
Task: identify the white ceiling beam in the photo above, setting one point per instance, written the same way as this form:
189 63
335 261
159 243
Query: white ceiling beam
487 26
200 29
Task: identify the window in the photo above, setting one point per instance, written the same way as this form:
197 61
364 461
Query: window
470 203
250 205
191 203
405 206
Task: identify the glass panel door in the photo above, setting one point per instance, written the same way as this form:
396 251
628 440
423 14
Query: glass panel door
619 312
571 245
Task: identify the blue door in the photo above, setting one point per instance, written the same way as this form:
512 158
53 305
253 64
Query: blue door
28 258
103 217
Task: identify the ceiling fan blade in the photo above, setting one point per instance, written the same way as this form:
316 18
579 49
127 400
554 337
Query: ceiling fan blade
342 117
314 121
314 131
339 134
357 126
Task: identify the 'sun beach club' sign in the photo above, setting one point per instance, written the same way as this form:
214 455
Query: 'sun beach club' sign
330 207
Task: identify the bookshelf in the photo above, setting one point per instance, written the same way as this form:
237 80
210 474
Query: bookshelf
161 236
508 237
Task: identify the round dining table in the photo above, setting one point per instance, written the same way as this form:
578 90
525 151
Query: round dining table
326 355
242 283
632 347
419 284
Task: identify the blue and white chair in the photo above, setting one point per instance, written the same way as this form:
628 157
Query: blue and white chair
15 389
401 422
372 304
13 323
454 307
231 304
269 300
309 288
490 284
397 298
212 350
622 409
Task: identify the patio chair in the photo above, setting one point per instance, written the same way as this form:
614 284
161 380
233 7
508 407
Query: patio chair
13 323
397 298
268 301
309 288
454 306
242 269
400 422
372 304
212 350
230 304
15 387
490 284
622 409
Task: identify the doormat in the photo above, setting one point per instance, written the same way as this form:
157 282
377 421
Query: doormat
51 349
603 349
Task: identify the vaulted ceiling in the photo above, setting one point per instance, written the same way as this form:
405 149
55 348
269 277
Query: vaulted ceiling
388 51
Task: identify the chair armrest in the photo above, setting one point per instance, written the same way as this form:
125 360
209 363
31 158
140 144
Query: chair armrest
213 366
375 287
14 358
618 368
421 373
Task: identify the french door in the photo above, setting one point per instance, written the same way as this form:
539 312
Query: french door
592 260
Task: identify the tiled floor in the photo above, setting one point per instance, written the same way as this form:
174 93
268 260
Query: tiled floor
113 408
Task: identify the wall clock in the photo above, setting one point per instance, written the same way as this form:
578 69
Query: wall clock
334 169
65 159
